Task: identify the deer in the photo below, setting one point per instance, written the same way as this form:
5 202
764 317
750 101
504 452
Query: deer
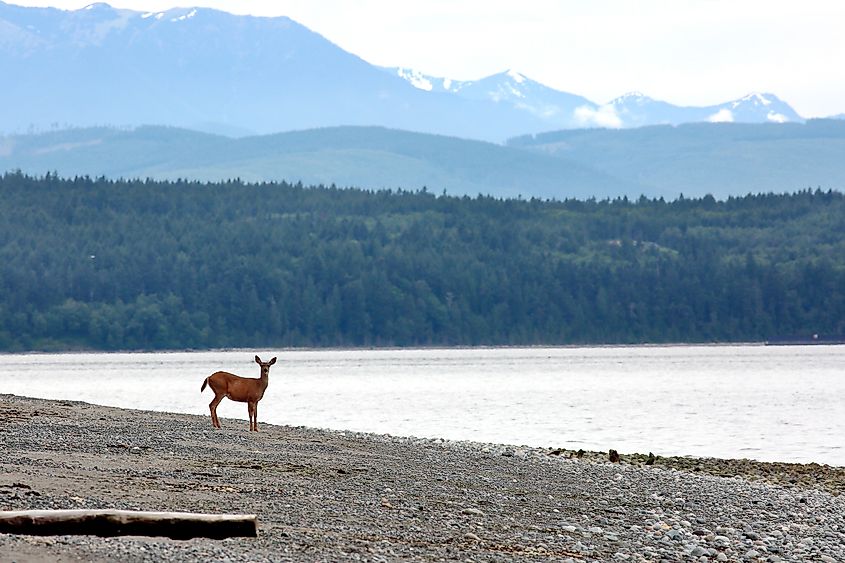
242 389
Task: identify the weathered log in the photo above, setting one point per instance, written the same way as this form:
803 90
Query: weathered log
175 525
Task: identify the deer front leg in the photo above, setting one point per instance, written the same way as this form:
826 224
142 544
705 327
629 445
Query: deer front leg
255 416
251 407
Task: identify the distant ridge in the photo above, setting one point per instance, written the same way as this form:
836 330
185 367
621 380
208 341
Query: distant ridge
721 159
364 157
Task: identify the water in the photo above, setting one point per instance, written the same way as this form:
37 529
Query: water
766 403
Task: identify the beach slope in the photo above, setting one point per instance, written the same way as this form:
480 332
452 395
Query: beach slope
324 495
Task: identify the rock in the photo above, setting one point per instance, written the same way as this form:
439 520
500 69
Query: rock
469 536
613 455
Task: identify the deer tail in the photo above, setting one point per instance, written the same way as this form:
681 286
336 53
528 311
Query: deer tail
204 383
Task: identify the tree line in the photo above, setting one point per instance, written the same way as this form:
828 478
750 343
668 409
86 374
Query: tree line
92 263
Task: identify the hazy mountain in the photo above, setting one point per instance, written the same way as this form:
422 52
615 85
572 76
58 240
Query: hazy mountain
239 75
366 157
512 89
201 68
570 111
722 159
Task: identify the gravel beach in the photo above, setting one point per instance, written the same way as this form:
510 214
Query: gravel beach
330 496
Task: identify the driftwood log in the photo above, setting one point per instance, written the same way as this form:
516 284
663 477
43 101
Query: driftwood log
175 525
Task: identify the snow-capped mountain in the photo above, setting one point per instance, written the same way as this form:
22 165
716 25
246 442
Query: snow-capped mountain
206 69
566 110
210 70
635 109
511 88
756 108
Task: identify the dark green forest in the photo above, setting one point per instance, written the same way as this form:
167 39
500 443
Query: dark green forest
103 264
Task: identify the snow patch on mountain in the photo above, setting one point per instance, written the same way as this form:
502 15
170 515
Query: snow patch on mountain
755 99
634 97
184 17
515 76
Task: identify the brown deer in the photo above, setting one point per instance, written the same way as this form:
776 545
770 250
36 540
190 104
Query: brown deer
242 389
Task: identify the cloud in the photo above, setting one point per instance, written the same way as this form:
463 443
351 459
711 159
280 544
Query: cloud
776 117
724 115
601 116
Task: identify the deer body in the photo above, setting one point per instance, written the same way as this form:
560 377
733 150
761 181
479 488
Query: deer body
242 389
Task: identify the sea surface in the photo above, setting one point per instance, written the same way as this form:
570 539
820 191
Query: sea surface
778 403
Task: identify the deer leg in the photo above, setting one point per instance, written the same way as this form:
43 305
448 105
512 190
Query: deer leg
255 415
212 406
251 407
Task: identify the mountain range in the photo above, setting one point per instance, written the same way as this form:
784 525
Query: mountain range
236 75
562 110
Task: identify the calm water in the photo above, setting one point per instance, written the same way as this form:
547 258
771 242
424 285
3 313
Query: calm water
768 403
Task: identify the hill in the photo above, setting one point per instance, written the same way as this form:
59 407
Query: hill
721 159
365 157
161 265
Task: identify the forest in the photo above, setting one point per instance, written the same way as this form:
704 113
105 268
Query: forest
98 264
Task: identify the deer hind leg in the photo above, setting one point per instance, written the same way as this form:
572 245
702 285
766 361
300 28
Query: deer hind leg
255 416
212 406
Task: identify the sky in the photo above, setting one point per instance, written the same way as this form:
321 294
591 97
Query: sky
687 52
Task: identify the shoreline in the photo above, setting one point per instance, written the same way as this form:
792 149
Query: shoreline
339 495
73 351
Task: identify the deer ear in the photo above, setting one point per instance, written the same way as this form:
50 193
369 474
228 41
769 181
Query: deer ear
273 361
257 360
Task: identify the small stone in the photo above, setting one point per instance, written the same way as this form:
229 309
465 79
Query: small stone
721 557
471 537
752 553
472 512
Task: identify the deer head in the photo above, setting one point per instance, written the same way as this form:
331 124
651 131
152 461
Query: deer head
265 366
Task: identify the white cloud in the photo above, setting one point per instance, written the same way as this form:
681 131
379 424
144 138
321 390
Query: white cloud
776 117
601 116
724 115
